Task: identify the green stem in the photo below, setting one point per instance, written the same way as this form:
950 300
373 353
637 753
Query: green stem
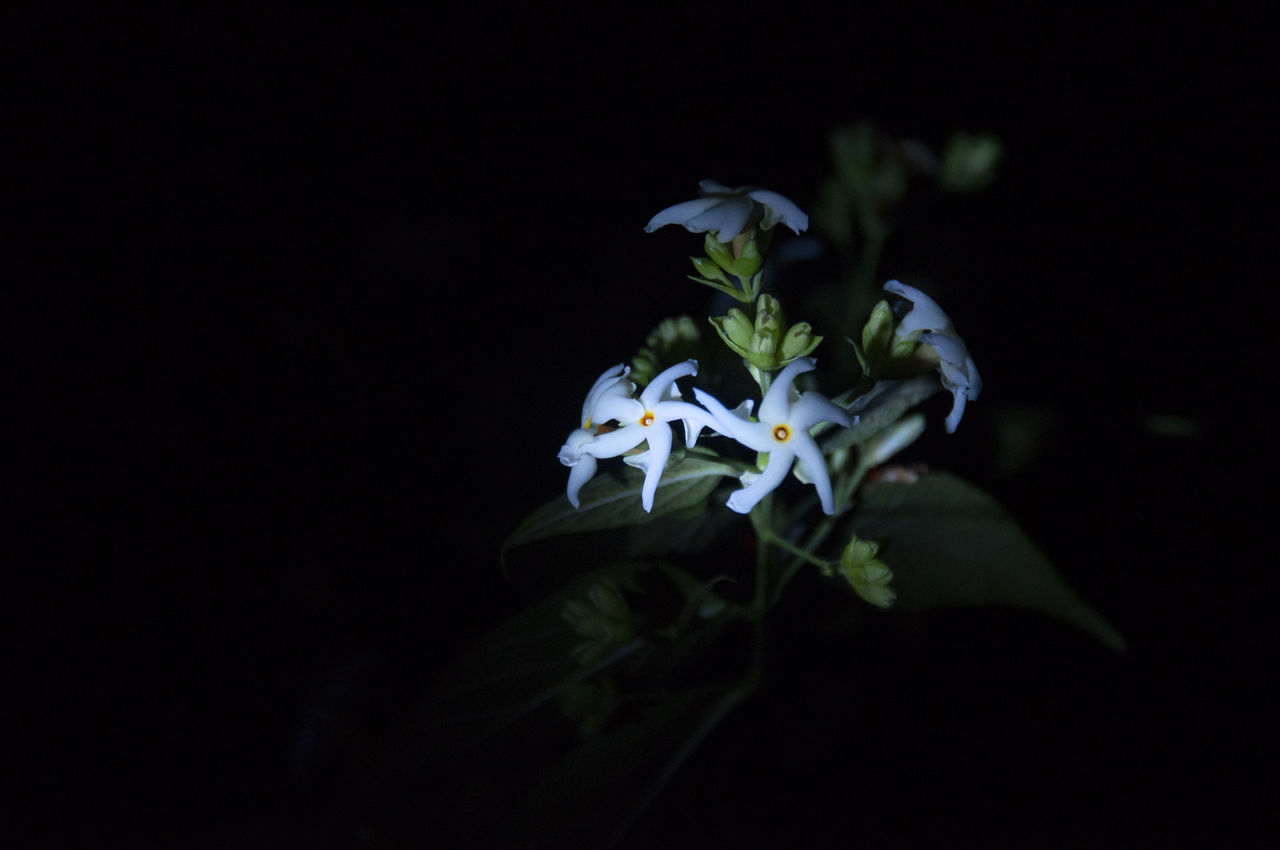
803 554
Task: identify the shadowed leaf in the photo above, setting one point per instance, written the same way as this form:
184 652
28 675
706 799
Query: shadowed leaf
950 543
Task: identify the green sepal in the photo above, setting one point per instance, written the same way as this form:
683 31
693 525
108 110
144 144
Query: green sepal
708 270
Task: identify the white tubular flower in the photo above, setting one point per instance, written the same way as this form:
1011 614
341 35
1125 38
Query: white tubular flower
727 212
959 372
782 430
639 420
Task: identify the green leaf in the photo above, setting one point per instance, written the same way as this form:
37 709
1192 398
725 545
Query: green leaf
515 668
612 500
950 543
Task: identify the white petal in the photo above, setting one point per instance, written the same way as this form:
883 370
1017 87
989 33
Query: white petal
776 405
813 408
753 435
694 418
774 472
711 187
957 411
778 208
656 461
658 388
925 313
571 452
612 379
580 474
614 443
624 409
680 213
815 468
726 219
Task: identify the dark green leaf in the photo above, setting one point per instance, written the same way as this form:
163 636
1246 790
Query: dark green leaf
612 500
950 543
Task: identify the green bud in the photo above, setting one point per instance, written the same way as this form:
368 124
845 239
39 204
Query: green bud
736 330
769 317
877 332
720 252
742 256
871 582
859 552
709 270
768 343
969 162
749 258
799 342
609 602
603 619
868 577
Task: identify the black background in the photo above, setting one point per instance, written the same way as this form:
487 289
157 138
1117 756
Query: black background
273 447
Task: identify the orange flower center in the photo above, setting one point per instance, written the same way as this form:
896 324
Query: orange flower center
647 419
781 433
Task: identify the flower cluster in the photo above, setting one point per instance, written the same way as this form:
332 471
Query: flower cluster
616 422
781 430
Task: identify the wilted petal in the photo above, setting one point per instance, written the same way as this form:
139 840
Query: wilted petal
957 411
957 367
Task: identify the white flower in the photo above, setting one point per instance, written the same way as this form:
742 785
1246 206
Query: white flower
959 372
639 420
782 430
727 212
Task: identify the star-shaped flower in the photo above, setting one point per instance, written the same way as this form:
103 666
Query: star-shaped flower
955 365
727 212
639 420
782 430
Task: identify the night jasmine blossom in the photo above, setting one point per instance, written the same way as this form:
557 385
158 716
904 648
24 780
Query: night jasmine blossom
782 430
727 212
642 420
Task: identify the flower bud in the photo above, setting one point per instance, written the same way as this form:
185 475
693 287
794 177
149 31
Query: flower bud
604 620
768 343
868 577
709 270
877 332
969 162
799 342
